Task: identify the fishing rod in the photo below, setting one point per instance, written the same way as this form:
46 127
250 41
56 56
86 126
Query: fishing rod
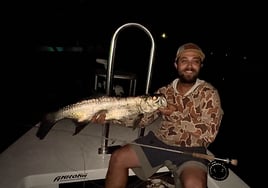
217 168
209 157
193 154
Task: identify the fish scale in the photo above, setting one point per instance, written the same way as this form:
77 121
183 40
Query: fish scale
126 111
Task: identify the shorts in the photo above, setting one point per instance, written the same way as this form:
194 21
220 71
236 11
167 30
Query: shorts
152 159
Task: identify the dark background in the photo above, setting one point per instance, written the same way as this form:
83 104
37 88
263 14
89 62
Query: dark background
233 38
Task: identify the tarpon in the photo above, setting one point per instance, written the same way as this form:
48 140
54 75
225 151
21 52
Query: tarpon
120 110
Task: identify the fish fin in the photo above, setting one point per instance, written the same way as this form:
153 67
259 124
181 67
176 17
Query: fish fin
45 125
118 122
137 121
79 126
130 121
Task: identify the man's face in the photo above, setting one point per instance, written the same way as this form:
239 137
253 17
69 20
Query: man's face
188 66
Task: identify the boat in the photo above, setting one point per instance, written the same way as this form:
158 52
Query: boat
63 158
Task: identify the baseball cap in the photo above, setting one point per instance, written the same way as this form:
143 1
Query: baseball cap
190 47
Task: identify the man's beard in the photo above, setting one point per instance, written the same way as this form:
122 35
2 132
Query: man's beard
187 79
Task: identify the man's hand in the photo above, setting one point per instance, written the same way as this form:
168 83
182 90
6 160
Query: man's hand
167 111
99 117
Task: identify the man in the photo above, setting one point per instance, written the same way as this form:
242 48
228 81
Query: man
189 124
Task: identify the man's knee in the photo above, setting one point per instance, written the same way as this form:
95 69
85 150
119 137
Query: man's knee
193 177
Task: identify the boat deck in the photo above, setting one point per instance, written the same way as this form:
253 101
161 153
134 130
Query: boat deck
63 158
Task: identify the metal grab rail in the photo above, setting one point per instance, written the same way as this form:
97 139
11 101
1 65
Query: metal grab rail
105 129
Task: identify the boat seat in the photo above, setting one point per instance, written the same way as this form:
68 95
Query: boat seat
131 77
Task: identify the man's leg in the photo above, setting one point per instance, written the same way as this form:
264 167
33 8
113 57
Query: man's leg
193 177
121 160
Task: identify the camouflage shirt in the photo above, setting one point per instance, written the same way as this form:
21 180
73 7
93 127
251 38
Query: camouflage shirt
196 118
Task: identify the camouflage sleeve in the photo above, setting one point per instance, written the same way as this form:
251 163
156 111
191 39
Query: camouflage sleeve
207 126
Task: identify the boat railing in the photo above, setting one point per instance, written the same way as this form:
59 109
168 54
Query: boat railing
105 130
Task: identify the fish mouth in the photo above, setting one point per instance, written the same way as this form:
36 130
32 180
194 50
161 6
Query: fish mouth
160 100
152 103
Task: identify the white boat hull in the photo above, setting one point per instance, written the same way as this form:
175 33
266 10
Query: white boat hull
63 158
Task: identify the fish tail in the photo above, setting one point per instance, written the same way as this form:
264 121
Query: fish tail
45 125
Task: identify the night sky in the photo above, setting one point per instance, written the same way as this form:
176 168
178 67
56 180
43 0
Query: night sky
231 36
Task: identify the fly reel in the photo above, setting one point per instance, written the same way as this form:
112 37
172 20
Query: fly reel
218 170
